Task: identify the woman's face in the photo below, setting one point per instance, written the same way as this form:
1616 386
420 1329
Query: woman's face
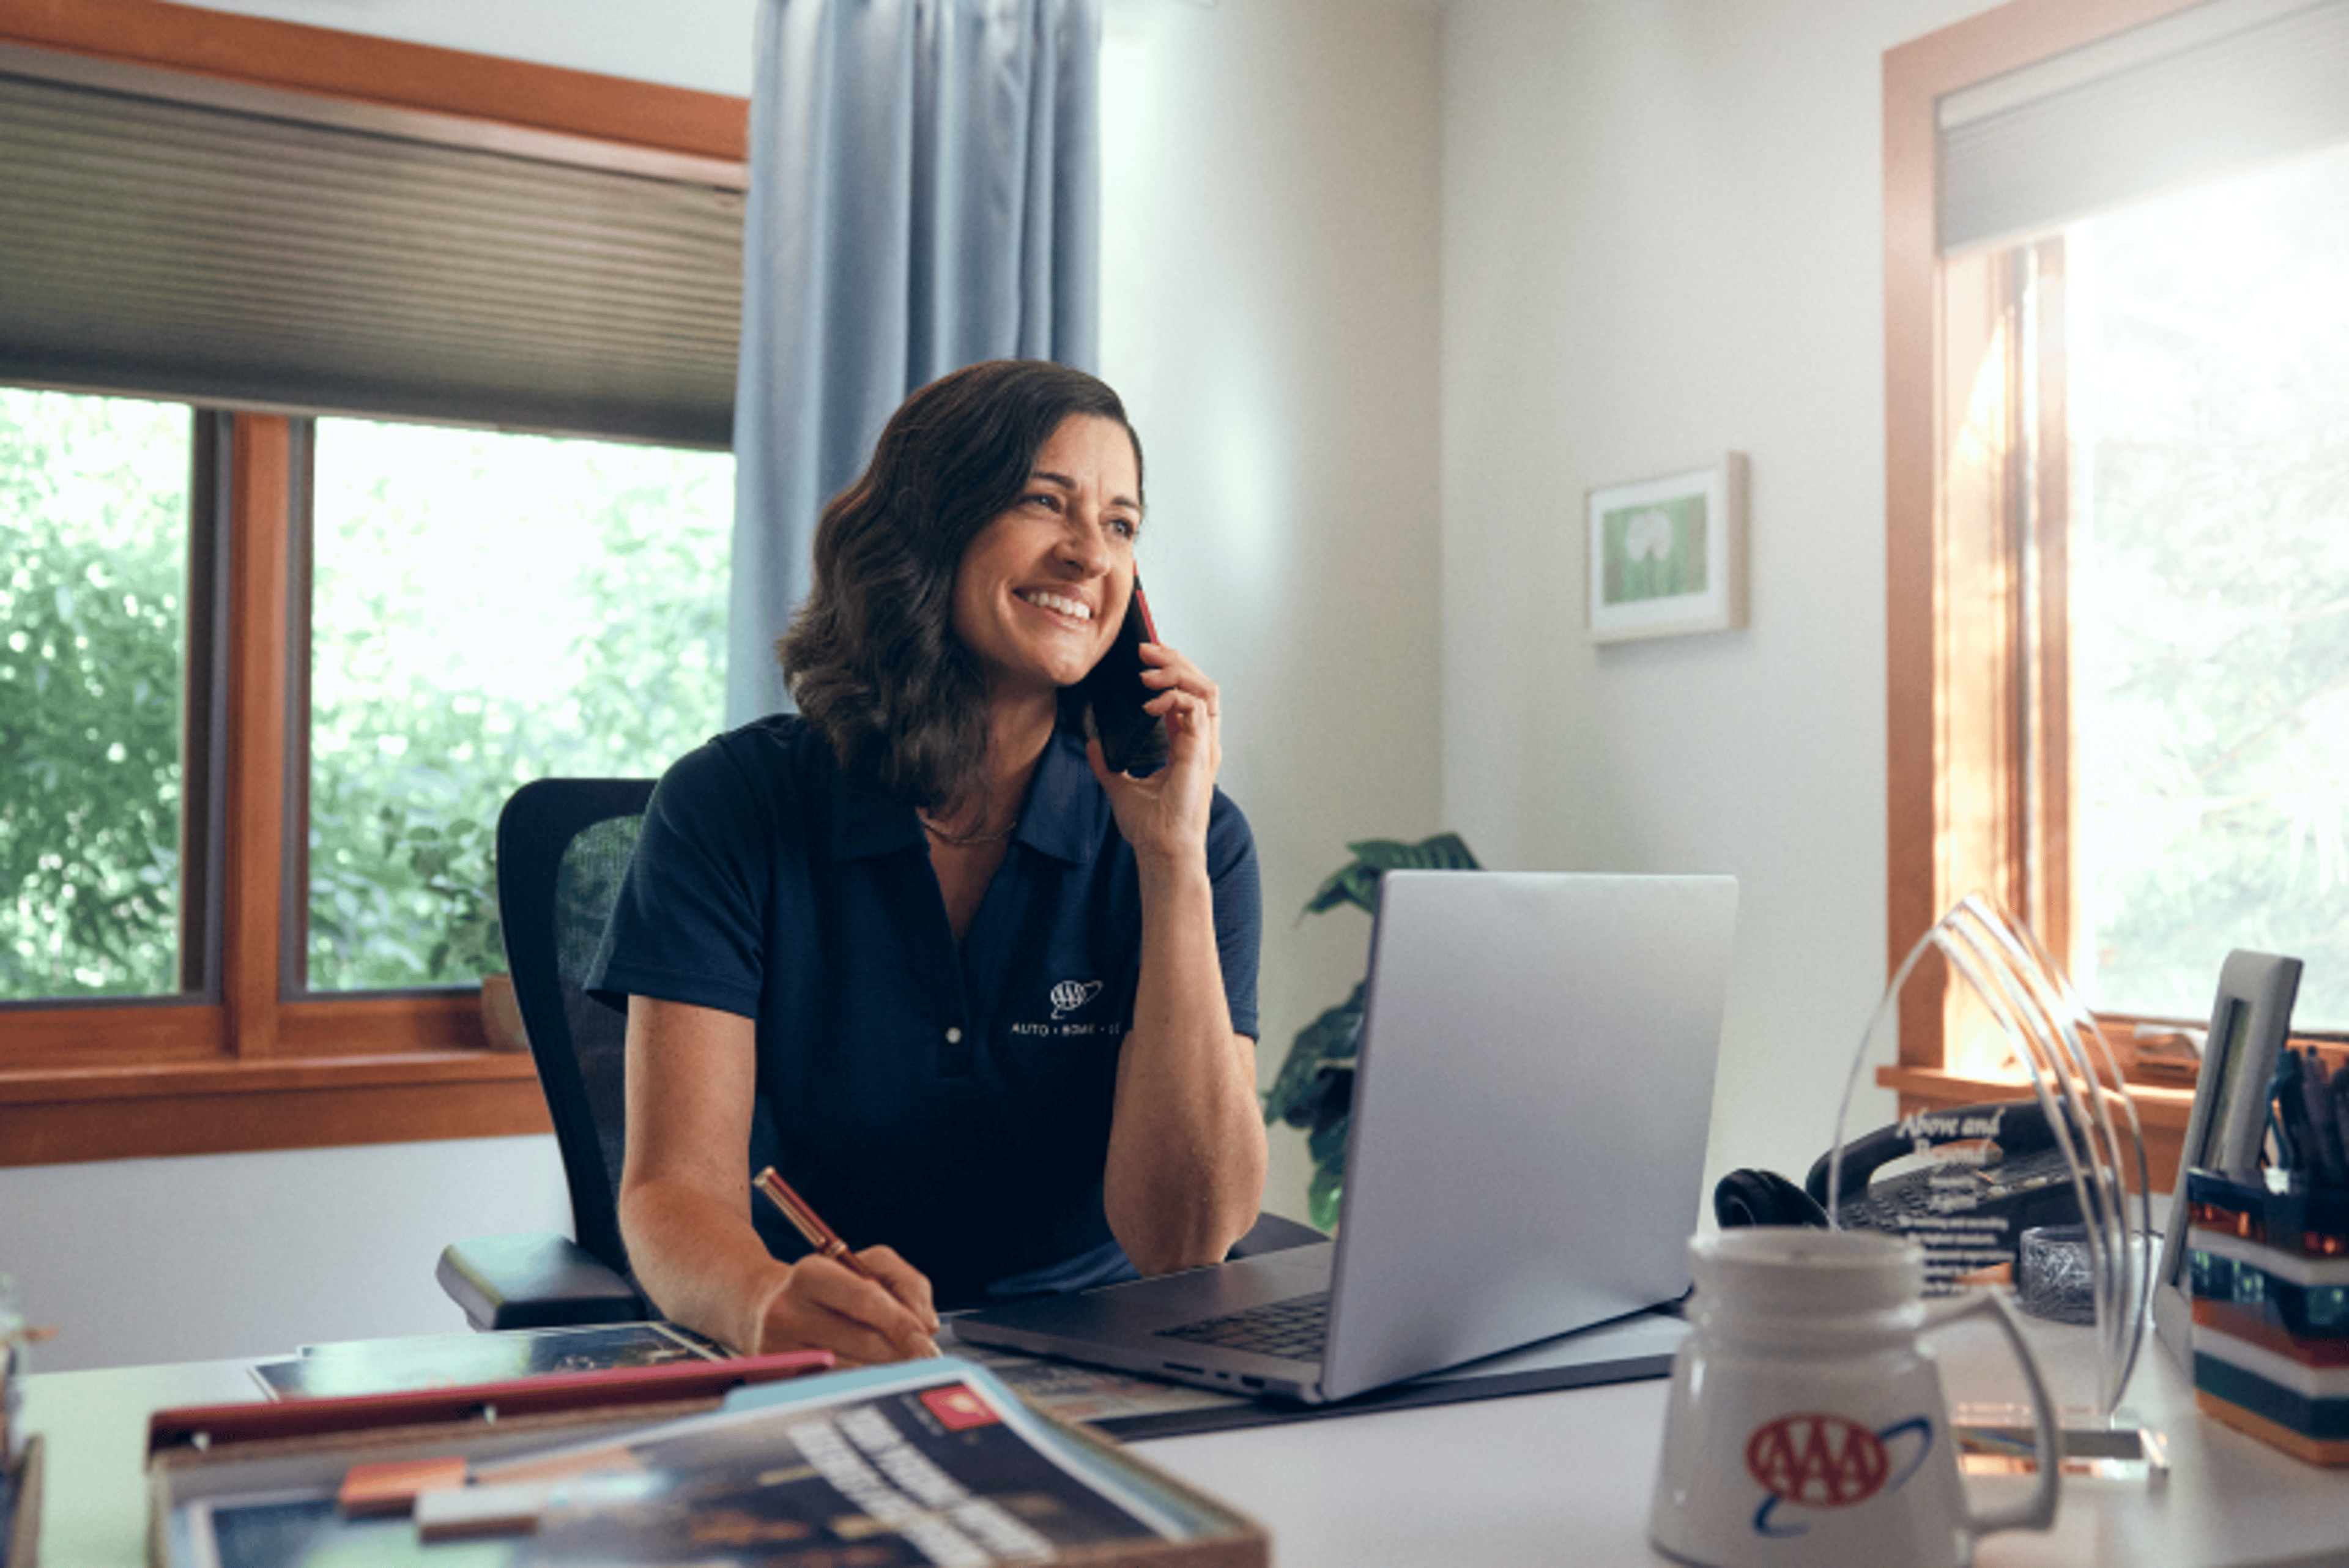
1042 588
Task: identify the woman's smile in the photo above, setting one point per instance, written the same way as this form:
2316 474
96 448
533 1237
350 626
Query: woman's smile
1058 604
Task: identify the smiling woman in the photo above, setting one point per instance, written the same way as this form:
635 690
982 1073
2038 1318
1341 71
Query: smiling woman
872 657
976 996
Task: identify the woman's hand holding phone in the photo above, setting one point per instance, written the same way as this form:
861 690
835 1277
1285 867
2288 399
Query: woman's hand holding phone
1164 810
1117 694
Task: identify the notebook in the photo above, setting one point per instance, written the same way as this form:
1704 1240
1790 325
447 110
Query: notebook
1525 1159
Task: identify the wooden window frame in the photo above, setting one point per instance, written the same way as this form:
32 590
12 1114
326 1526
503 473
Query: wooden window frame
257 1067
1978 770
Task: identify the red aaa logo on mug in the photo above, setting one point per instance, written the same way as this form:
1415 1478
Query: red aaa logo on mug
1817 1460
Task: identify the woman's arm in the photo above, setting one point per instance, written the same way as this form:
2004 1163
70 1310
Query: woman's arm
685 1197
1186 1148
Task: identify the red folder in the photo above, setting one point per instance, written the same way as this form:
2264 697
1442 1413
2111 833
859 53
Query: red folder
200 1425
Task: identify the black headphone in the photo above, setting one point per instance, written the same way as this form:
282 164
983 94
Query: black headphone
1764 1198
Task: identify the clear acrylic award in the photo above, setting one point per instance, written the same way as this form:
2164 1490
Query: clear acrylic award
2049 1182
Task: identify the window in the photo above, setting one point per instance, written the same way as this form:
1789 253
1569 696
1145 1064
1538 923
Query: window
2207 349
92 693
484 608
2111 592
262 659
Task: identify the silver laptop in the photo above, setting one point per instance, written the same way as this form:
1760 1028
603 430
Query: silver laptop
1525 1159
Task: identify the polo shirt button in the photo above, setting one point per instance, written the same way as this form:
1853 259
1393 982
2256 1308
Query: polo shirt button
954 1036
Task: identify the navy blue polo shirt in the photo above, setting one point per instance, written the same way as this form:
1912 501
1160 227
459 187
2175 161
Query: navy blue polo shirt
954 1105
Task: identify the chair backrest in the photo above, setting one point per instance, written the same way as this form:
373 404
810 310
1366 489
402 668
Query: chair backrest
562 847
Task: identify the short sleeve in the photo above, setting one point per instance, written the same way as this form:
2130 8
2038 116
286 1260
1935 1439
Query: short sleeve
690 922
1239 909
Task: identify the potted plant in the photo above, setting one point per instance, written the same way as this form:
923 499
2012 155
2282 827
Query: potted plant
1315 1088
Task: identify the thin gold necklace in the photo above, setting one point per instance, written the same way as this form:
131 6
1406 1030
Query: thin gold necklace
961 840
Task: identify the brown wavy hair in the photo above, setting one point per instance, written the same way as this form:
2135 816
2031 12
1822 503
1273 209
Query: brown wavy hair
871 658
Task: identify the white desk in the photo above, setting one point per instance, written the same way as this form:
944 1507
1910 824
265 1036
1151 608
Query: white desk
1544 1480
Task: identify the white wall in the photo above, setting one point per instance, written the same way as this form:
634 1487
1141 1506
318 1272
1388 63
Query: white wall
142 1260
1662 240
1270 313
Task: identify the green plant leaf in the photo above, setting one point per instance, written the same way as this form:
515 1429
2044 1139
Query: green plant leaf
1329 1039
1326 1139
1322 1196
1315 1087
1356 883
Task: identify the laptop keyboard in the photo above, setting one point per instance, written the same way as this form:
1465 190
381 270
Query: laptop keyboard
1292 1330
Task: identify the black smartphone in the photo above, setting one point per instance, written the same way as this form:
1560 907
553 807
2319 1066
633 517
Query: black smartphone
1133 742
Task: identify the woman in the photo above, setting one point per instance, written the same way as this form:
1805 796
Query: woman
986 1005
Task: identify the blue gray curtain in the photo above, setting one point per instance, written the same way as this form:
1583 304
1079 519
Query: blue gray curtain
925 194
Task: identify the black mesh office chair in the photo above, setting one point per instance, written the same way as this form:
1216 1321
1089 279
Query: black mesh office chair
562 847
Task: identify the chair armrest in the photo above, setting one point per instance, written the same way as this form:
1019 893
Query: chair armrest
539 1280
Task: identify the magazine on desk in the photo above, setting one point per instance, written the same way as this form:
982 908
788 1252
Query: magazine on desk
924 1462
444 1361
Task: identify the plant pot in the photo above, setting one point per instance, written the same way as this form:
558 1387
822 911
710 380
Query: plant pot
502 1014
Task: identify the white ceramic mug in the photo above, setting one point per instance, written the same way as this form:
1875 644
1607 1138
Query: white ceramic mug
1807 1424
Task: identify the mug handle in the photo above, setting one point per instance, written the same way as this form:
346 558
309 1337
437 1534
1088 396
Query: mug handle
2036 1511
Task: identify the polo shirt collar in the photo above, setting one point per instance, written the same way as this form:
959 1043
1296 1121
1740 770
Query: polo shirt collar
1067 811
1065 815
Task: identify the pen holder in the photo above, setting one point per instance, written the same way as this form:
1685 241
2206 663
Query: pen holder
2271 1284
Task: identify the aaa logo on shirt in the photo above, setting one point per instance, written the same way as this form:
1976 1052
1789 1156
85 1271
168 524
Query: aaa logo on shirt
1072 994
1069 996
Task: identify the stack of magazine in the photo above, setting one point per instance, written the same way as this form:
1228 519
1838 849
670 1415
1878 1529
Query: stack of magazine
929 1462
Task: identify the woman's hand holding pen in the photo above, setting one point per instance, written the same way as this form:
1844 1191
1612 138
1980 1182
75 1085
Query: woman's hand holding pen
810 1299
691 1076
865 1307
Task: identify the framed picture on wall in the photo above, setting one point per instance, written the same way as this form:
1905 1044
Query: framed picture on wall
1667 555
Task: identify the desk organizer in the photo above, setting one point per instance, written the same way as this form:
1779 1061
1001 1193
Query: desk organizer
2271 1282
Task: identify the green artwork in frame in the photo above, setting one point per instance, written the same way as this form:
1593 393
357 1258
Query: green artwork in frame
1655 550
1667 555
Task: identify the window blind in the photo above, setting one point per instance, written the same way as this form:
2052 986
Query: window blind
2217 86
172 238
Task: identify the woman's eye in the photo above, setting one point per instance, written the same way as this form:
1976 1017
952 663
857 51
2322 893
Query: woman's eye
1125 528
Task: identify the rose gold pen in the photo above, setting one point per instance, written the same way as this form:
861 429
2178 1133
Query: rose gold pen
820 1236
